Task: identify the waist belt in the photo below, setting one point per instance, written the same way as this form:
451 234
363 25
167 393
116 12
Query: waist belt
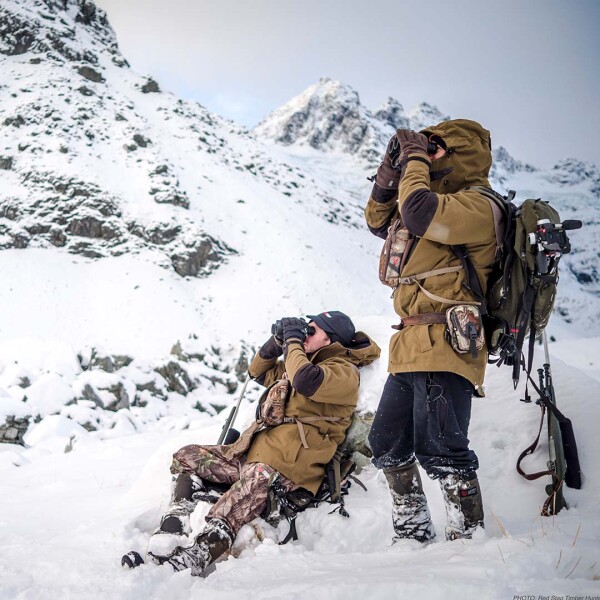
424 319
308 421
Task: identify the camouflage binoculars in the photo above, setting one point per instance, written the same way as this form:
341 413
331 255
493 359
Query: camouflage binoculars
277 330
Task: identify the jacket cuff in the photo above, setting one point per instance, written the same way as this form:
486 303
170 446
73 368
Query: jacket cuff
270 349
382 195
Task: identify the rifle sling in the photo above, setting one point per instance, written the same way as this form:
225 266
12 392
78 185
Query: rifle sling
530 450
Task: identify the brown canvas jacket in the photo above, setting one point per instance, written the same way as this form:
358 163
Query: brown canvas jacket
439 214
324 384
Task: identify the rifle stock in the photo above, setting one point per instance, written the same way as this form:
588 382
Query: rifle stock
233 414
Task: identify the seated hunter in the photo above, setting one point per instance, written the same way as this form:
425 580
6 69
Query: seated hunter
315 388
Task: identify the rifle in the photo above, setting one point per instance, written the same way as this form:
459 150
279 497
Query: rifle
563 464
227 427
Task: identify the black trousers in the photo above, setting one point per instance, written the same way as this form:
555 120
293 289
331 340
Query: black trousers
425 415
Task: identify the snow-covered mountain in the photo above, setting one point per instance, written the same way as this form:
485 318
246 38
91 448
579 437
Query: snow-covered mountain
146 246
131 220
123 206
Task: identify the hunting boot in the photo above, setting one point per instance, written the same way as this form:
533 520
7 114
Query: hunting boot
464 508
209 545
177 518
410 513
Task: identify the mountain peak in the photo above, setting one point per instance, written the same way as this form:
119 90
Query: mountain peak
72 30
392 113
424 114
327 115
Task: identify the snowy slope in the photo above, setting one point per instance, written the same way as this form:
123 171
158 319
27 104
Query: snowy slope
68 517
147 245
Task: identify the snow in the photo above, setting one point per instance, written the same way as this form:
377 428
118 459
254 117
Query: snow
79 500
92 479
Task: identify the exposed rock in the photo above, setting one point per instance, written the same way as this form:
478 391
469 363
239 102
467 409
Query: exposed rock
150 87
13 430
141 141
240 367
109 363
192 262
176 377
6 163
57 237
10 210
230 384
424 115
356 442
121 397
392 113
89 393
20 240
151 387
174 198
160 234
92 227
90 74
87 12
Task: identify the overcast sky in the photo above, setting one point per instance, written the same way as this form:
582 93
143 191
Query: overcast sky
528 70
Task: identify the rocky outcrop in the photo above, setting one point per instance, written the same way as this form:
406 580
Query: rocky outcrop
392 113
13 430
70 112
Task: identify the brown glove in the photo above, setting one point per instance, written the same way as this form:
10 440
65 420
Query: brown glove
387 177
411 142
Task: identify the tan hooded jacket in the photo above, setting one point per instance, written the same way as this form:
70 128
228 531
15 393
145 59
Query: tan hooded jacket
438 214
324 384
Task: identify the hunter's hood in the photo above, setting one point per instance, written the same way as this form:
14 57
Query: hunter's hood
468 156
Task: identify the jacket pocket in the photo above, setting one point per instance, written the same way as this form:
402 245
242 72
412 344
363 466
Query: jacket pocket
424 339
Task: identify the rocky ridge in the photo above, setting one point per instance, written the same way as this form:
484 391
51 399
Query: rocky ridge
87 153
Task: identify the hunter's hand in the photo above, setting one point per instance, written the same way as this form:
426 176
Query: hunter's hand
294 328
387 177
411 142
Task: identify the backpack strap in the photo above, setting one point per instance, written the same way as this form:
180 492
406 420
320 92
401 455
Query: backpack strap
419 276
498 204
300 421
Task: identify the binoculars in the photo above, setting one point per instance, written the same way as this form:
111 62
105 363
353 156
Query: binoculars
277 330
394 149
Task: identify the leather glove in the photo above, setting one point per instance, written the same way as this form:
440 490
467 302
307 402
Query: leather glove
411 142
294 328
387 177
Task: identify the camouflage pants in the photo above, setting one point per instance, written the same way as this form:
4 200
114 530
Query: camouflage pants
246 498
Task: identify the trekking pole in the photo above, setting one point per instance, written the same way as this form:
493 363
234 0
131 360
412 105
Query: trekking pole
233 414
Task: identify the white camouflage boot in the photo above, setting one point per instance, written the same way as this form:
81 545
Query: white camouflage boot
464 507
177 518
209 545
410 513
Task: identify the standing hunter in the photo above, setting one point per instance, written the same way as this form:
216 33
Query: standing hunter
426 203
312 395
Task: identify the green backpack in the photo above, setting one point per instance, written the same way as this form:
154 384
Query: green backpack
521 289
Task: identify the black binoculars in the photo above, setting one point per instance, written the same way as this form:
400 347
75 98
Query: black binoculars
277 330
432 147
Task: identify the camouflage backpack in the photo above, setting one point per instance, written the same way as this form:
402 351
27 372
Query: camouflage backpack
521 289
